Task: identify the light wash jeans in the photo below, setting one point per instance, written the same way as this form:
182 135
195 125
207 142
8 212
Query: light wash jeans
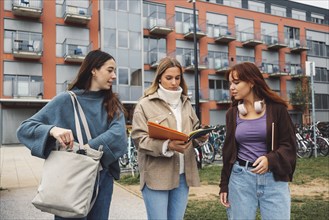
101 208
166 204
247 191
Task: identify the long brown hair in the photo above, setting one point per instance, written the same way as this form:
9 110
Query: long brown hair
96 59
249 72
166 63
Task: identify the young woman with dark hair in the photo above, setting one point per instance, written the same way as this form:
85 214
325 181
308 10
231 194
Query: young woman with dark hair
259 153
104 113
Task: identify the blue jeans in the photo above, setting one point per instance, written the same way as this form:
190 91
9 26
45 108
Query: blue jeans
166 204
247 191
101 208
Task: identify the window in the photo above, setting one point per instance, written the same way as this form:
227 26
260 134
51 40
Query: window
154 50
317 48
316 18
123 5
321 75
291 36
300 15
218 60
110 38
22 85
123 76
233 3
256 6
123 39
279 11
321 101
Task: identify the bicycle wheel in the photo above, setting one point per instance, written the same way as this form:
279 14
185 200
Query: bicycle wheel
304 150
208 153
322 145
124 160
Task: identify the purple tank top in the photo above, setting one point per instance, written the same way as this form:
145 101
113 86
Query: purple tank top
251 137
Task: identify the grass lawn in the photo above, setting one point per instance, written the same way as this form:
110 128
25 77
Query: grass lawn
302 207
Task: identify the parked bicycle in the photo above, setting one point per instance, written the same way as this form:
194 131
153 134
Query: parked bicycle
130 158
205 150
305 142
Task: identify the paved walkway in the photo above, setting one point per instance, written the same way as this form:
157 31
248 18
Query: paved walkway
20 174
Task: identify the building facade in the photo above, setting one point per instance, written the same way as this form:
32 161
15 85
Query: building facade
44 42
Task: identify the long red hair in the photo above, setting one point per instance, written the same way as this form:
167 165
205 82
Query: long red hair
249 72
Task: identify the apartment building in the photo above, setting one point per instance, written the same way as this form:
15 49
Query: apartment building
44 42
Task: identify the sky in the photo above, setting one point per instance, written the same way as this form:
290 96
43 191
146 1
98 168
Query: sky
319 3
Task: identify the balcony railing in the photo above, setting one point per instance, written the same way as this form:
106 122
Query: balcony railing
275 69
221 96
189 63
188 29
75 50
27 8
27 45
161 23
296 45
76 14
249 38
273 42
154 57
295 70
23 87
223 34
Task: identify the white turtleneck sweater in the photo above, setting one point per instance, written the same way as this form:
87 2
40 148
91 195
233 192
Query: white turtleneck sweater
173 99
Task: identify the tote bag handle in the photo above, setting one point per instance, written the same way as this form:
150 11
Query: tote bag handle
74 100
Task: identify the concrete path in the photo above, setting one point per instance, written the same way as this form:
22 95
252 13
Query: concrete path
20 174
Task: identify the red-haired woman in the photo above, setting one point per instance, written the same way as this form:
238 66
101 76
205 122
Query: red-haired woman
259 153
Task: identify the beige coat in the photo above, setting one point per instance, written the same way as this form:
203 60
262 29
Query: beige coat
157 171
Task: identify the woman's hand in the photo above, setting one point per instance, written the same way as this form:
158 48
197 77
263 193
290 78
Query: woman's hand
179 146
63 136
261 165
223 199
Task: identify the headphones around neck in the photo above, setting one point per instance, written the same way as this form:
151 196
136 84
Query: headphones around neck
258 105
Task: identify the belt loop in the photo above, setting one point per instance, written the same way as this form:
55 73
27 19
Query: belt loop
247 163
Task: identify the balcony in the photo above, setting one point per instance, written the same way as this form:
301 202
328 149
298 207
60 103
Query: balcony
249 38
221 65
27 8
75 14
224 35
188 29
189 63
154 57
27 45
295 71
160 23
273 42
297 46
75 50
275 69
221 96
23 86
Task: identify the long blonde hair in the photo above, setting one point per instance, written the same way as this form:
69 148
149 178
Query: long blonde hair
165 64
